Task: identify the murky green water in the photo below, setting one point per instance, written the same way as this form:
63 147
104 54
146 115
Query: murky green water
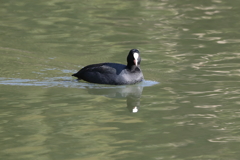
188 105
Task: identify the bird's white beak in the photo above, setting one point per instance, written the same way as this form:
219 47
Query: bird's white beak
135 62
135 55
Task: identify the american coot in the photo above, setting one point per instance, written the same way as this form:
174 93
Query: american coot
114 73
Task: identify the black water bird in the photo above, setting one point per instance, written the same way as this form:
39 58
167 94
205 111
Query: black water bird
114 73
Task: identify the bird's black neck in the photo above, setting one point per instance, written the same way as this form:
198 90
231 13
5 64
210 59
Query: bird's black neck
132 67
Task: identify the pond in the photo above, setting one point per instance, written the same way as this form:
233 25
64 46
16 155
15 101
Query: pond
186 108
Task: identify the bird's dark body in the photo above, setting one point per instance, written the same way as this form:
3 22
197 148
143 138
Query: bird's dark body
114 73
109 73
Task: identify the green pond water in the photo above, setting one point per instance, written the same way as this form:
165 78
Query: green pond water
186 109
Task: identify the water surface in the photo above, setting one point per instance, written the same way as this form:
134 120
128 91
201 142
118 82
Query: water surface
187 107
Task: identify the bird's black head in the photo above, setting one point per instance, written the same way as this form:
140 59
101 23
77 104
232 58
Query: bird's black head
133 58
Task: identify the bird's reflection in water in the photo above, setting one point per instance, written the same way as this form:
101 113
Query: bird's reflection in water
133 103
132 94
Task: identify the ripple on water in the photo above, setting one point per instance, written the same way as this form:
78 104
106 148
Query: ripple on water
64 82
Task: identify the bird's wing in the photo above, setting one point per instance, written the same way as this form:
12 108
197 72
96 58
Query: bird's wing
101 68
